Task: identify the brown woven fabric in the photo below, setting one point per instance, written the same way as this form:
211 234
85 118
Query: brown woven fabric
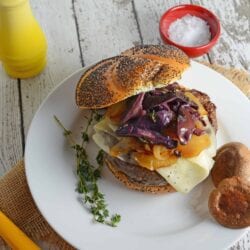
16 201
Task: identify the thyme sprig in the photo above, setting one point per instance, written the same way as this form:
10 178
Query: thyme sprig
89 174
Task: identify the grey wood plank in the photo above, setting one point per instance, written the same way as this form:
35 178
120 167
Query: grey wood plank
105 28
11 149
243 243
233 49
57 20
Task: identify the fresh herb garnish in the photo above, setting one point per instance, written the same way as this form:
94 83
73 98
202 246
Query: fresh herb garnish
94 115
89 174
152 115
97 116
99 158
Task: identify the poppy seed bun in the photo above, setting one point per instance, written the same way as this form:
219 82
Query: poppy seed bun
136 70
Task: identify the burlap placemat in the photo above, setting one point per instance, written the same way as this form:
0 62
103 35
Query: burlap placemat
16 201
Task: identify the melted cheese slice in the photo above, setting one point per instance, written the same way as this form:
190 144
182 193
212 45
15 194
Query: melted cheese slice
105 135
184 174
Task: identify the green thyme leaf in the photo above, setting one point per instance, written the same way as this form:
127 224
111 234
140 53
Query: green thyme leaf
152 115
100 157
115 219
97 116
85 137
88 175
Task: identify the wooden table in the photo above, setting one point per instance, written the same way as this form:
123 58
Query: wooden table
80 32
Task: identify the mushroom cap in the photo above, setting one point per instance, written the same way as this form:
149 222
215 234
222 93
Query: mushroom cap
229 204
232 159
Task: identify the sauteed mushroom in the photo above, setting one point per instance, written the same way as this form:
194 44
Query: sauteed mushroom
232 159
229 204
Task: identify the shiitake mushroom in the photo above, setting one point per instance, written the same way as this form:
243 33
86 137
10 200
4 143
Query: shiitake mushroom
232 159
229 204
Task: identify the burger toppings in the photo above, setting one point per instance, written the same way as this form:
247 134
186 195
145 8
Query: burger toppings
148 115
186 123
141 129
156 128
136 109
166 130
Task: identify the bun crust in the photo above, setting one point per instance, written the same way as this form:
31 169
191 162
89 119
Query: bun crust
136 70
140 180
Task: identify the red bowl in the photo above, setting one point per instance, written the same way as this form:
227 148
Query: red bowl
181 10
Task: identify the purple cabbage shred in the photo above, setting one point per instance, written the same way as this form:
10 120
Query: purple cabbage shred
150 113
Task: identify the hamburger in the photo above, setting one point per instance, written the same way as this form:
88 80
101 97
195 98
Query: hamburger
158 136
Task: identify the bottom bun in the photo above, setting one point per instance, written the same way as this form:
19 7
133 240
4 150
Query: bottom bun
138 178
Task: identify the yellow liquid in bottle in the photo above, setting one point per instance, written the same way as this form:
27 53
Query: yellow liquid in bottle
22 42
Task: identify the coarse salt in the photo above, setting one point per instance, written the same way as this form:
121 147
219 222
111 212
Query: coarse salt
190 31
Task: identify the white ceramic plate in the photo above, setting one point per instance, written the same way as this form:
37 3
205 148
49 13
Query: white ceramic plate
173 221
